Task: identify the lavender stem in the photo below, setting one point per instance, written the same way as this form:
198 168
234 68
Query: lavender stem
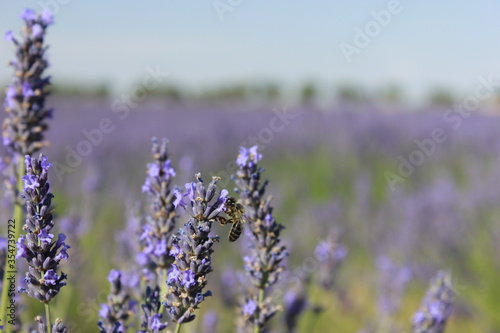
261 302
47 317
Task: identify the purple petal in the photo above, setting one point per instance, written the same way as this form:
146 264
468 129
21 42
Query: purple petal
250 307
36 31
28 15
50 277
9 36
47 17
188 279
242 157
30 181
114 275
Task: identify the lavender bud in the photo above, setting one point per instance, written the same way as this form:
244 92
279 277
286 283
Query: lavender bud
118 308
38 247
265 262
58 326
161 218
258 315
436 306
192 253
23 129
295 302
152 318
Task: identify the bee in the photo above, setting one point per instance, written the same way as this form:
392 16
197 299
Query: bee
235 215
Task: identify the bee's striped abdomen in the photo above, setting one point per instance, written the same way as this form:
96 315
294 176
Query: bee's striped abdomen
236 230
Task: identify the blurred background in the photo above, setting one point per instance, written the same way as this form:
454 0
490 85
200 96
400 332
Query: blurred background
377 121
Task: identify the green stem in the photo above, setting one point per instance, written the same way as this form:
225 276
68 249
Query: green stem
17 217
256 329
178 328
47 318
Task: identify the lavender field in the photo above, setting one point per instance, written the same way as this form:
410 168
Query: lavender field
328 178
359 215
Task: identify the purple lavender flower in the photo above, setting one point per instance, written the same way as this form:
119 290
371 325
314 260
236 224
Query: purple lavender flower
9 36
436 306
265 262
36 31
250 307
119 307
161 218
23 129
330 254
295 302
248 155
28 15
37 247
47 17
187 277
209 322
152 320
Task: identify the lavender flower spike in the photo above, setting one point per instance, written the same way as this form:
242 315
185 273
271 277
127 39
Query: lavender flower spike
210 321
330 254
58 327
23 129
117 310
161 218
192 250
436 306
152 319
265 262
41 250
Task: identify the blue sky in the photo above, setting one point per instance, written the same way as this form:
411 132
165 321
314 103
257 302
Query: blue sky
427 44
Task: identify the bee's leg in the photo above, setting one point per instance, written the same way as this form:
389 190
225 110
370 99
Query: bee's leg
221 220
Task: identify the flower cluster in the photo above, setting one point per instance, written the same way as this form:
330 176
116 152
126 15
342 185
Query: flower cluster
330 254
210 321
117 310
161 218
152 318
23 129
58 326
295 303
265 262
38 247
192 249
436 306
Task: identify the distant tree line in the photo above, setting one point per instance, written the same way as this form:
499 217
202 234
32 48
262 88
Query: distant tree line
309 93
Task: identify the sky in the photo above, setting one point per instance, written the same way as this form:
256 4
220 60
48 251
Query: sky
421 45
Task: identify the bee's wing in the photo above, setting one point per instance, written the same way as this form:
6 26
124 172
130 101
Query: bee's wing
244 218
